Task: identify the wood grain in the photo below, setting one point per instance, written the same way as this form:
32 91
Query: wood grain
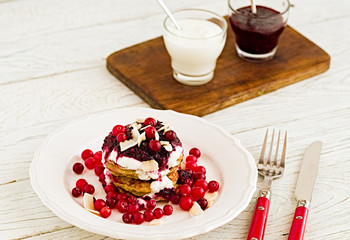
145 69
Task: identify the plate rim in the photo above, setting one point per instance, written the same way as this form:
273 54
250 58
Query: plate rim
88 227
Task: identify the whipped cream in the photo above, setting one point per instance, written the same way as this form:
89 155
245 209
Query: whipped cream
160 184
174 155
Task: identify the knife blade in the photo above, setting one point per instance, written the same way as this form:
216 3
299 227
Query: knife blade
303 191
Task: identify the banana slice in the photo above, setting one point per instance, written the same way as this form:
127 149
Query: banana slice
149 166
167 146
211 197
88 201
155 222
196 210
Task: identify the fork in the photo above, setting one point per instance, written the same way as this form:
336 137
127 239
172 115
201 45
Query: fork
269 169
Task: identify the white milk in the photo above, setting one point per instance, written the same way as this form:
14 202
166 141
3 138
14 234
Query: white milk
195 48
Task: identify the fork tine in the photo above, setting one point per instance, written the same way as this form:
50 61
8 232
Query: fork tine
271 146
277 147
263 148
283 159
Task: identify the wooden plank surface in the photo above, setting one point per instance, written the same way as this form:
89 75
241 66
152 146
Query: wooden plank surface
53 72
145 69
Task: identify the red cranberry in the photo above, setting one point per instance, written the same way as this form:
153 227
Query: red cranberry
81 183
132 199
197 193
90 163
191 158
170 135
158 213
154 145
168 209
175 199
201 183
89 189
185 190
122 196
150 132
105 212
78 168
86 154
102 177
122 206
109 188
187 181
148 215
127 217
99 170
201 169
151 204
99 203
133 207
199 175
191 165
138 218
118 129
150 121
111 202
98 156
203 203
195 152
112 194
76 192
185 203
213 186
121 137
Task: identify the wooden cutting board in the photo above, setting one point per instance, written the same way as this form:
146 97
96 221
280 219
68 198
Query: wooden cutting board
145 69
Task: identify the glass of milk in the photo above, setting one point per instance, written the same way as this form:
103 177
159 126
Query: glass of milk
194 48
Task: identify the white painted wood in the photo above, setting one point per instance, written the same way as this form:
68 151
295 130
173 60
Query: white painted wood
52 71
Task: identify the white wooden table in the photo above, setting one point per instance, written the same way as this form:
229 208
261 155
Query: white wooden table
52 71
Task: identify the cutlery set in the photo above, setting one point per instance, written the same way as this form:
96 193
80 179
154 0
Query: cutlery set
271 168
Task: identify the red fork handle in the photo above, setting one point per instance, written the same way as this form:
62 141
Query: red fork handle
297 229
257 227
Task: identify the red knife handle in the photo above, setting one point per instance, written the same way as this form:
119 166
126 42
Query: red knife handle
299 222
257 227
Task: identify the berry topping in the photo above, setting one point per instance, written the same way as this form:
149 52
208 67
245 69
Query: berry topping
111 201
168 209
185 203
213 186
184 175
191 158
86 154
201 183
154 145
99 203
203 203
148 215
90 163
81 183
122 206
150 121
195 152
175 199
185 190
121 137
127 217
150 132
99 169
78 168
118 129
89 189
76 192
170 135
105 212
197 193
158 213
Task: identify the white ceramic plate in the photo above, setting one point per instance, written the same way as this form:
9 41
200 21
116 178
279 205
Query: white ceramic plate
224 157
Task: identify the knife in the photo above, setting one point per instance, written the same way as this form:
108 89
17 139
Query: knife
304 188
